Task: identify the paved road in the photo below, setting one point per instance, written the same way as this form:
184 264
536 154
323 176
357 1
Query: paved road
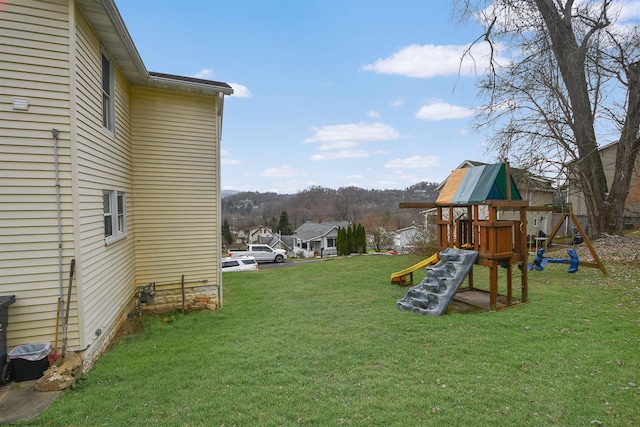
287 264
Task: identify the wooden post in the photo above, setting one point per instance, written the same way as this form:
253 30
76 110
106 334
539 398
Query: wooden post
493 286
585 238
509 284
451 227
183 293
508 178
524 252
469 225
476 228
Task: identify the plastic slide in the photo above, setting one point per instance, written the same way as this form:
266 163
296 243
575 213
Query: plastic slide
401 276
434 294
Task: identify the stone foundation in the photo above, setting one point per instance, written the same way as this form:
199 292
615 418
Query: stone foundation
195 298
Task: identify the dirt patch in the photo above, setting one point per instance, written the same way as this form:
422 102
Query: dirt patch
131 326
612 249
609 249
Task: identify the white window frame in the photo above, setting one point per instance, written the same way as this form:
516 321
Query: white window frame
107 89
115 215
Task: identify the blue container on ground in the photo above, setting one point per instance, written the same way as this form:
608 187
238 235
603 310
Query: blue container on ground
29 361
5 302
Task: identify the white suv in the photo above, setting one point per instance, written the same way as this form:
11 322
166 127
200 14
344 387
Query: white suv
245 263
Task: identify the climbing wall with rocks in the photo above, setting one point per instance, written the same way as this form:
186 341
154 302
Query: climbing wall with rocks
434 294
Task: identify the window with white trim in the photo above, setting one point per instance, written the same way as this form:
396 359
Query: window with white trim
115 215
108 105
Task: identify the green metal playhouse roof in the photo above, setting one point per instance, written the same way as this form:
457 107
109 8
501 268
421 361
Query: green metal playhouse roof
476 185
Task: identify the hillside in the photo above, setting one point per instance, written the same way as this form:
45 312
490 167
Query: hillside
369 207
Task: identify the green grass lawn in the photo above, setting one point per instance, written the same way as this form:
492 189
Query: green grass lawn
323 344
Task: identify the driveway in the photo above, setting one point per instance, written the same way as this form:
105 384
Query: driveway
289 263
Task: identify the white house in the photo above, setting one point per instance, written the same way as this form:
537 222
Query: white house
105 165
407 237
260 232
317 238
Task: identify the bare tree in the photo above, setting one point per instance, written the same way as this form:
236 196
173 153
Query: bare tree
573 82
342 203
377 230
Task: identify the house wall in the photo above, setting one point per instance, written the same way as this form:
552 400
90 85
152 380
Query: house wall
407 237
34 63
175 188
632 206
536 220
256 234
50 55
103 161
325 249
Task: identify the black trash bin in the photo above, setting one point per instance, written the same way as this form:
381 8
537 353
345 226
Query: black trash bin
29 361
5 302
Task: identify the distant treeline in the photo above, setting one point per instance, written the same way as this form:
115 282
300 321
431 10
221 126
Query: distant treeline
354 204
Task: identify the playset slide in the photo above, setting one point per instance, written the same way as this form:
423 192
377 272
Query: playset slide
401 276
438 288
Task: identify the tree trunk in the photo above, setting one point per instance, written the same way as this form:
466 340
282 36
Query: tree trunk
628 147
571 61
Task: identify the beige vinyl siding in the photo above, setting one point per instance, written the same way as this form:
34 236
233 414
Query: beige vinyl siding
104 163
608 156
34 63
175 186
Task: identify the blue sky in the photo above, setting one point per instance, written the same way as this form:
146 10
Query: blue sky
328 93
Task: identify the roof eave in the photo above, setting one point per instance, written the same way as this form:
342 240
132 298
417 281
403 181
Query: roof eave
114 36
176 83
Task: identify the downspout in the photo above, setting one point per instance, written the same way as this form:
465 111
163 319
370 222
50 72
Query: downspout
218 148
54 133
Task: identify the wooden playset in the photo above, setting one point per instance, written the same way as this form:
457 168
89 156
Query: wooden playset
480 209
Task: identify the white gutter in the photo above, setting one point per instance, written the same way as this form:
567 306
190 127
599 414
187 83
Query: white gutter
193 85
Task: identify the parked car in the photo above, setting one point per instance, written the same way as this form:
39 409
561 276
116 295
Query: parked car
245 263
261 253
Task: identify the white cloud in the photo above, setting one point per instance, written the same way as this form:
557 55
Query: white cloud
354 132
413 162
205 73
283 171
240 91
225 160
354 177
397 102
426 61
338 145
439 110
626 15
373 114
343 154
629 11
